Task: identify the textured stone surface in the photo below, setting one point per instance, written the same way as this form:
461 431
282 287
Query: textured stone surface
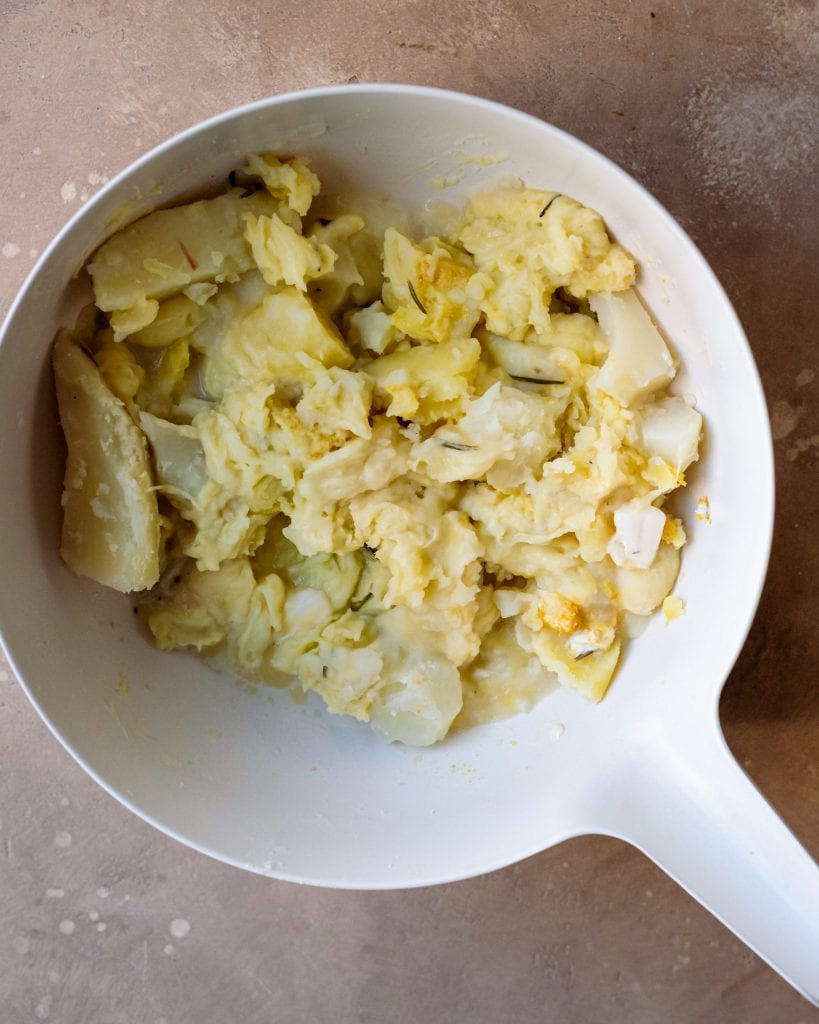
710 106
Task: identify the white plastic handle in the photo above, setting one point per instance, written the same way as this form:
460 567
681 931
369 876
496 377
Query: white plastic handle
692 810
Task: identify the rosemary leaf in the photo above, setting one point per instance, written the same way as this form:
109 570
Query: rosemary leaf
456 446
546 207
415 298
536 380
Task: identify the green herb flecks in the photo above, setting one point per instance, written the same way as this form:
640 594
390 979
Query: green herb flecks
584 654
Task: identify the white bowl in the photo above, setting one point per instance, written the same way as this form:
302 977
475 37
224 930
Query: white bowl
289 791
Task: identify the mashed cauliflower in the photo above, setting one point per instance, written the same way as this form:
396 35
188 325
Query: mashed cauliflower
424 476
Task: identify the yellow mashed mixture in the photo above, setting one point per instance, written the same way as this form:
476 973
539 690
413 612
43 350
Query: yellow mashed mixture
424 476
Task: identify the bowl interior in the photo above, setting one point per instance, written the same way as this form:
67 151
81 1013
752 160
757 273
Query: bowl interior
284 788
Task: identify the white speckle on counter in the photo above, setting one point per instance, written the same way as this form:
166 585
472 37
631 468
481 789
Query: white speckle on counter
10 250
67 927
62 839
21 945
68 191
93 915
53 976
101 926
784 419
179 927
169 950
800 445
556 731
4 676
54 894
64 801
103 893
43 1008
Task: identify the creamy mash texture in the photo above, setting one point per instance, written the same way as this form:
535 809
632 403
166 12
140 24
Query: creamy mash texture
423 475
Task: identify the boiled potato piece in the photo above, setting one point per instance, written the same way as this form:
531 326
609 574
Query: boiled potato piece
671 429
277 341
591 676
427 383
638 361
110 515
168 250
641 591
177 318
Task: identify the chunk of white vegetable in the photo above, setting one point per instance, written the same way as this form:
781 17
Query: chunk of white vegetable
110 515
419 707
671 429
638 361
178 454
640 591
638 531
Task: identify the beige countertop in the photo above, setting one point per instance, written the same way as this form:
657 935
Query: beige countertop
713 108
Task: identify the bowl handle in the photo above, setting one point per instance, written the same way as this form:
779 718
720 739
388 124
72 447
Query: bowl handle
689 806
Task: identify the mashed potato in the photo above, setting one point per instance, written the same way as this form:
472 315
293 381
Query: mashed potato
430 493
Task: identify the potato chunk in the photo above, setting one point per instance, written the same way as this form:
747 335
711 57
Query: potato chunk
168 250
110 516
638 362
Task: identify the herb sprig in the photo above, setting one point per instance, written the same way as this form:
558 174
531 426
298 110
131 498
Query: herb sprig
415 298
